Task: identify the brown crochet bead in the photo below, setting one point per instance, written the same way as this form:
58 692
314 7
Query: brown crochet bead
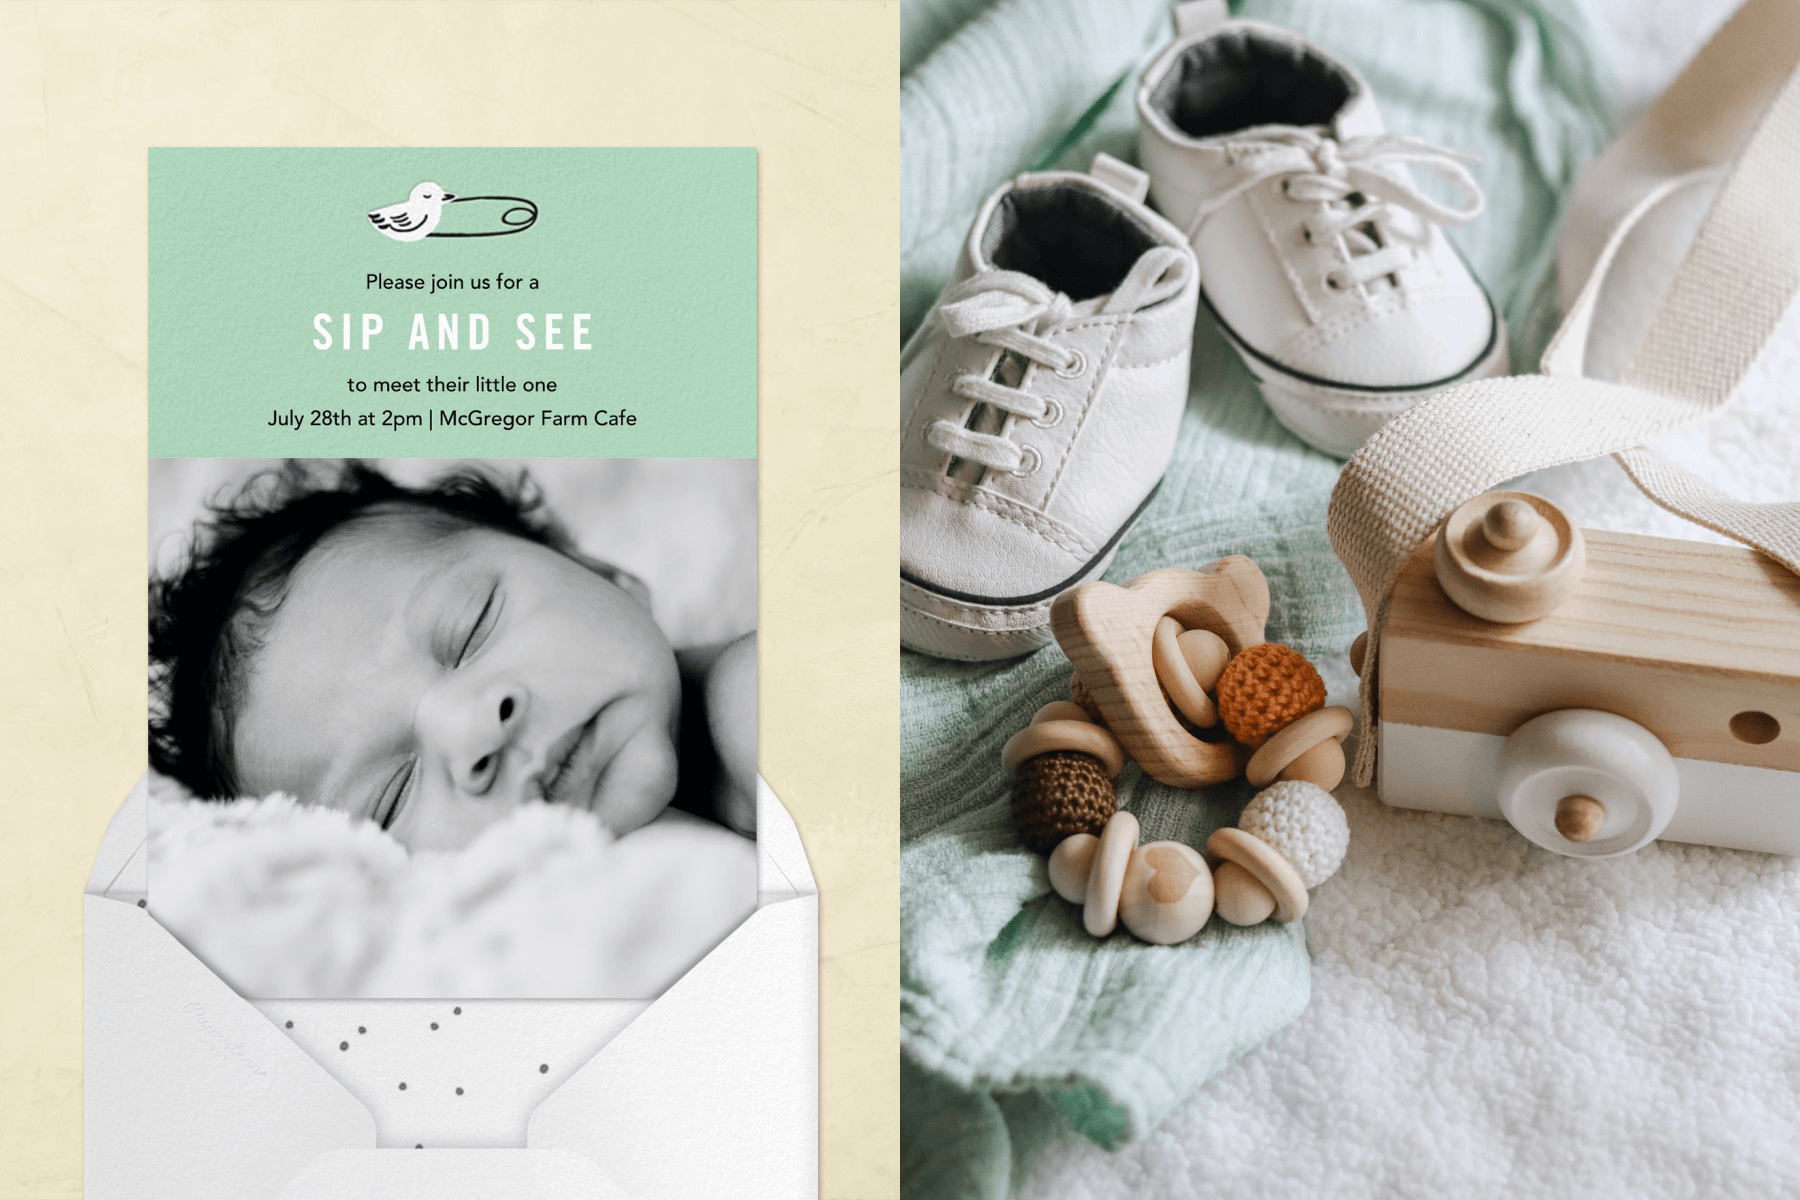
1078 692
1059 794
1265 689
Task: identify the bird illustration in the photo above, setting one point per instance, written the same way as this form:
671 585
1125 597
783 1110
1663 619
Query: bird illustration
416 216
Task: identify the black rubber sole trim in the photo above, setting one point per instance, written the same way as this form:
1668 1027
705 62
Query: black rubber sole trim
1047 593
1370 389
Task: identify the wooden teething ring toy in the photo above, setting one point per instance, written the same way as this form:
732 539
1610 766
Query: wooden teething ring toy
1109 634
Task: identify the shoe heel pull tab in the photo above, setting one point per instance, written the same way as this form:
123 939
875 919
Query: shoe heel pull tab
1197 16
1120 176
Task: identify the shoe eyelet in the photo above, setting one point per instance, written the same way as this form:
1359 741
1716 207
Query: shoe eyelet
1053 415
1075 369
1333 283
1029 462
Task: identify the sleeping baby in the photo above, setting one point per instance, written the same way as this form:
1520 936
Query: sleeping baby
431 659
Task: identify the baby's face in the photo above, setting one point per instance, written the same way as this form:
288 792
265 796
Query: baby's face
433 682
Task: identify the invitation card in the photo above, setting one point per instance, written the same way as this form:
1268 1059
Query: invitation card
452 823
430 718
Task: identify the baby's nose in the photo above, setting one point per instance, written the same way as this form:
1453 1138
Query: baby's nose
478 734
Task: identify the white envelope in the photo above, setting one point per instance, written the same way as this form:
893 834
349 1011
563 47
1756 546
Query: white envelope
193 1092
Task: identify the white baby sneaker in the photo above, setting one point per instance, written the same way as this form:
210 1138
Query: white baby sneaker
1322 261
1039 405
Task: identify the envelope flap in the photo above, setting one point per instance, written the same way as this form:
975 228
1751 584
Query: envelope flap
726 1060
181 1076
119 866
781 857
451 1175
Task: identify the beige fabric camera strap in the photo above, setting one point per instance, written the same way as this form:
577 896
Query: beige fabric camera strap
1732 289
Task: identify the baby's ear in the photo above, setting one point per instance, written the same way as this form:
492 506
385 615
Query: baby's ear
630 584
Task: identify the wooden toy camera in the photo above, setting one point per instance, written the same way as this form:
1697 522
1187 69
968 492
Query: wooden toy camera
1596 690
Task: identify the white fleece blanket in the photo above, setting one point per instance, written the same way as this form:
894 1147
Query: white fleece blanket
287 901
1490 1019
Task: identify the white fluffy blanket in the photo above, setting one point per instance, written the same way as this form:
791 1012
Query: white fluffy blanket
1490 1019
288 901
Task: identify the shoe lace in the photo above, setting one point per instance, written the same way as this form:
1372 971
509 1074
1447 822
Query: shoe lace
1019 314
1356 198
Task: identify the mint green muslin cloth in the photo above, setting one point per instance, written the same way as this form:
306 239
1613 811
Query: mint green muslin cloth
1018 1028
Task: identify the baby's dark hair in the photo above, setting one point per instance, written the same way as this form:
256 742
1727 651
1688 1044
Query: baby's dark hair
209 618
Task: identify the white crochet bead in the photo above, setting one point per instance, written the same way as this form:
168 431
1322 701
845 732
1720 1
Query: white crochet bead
1305 825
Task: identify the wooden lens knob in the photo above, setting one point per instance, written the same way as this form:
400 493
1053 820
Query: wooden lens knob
1579 818
1510 525
1508 557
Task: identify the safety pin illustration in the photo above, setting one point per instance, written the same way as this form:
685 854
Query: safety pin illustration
418 215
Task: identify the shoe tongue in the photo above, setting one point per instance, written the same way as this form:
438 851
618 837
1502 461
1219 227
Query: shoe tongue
1275 133
1358 118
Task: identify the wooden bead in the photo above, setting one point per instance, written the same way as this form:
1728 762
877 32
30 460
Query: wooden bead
1186 692
1081 737
1167 894
1061 710
1265 863
1108 631
1240 897
1290 744
1358 648
1206 654
1322 765
1070 863
1106 879
1579 818
1509 557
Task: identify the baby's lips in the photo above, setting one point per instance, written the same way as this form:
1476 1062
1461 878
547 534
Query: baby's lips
551 762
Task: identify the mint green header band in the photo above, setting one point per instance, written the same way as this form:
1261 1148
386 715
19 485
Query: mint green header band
557 303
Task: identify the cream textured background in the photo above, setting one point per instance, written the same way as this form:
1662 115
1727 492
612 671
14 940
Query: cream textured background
85 89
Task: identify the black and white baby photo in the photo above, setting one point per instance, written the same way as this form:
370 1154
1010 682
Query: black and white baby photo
425 728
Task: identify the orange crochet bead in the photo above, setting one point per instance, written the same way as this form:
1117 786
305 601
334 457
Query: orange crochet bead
1265 689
